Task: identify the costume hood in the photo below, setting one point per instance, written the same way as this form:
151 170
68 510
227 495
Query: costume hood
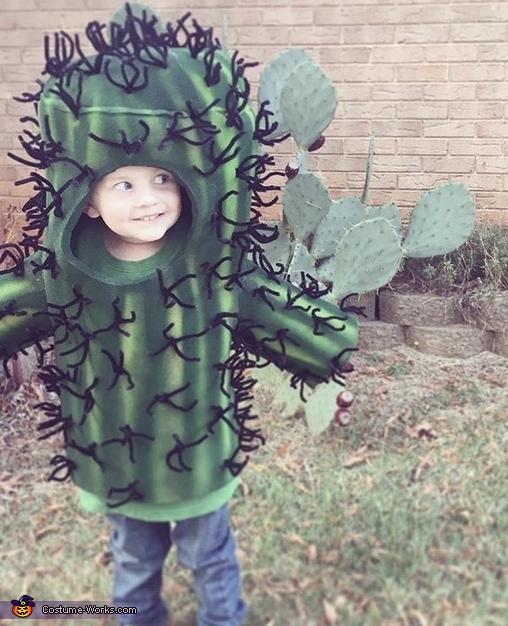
158 96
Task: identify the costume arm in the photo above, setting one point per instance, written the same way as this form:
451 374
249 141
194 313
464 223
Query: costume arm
306 335
23 308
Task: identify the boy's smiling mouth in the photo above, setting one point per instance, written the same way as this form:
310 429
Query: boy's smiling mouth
149 218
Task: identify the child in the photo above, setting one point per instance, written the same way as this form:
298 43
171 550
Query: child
152 281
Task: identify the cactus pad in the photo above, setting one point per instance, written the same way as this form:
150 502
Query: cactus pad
367 257
308 101
272 80
320 408
342 215
278 251
305 202
389 211
302 261
441 221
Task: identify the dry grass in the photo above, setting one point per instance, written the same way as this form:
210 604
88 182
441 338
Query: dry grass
398 520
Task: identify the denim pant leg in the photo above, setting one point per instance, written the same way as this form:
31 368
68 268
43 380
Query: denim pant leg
206 546
139 550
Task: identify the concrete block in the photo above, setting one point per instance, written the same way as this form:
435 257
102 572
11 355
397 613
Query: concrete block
454 341
500 344
411 309
379 336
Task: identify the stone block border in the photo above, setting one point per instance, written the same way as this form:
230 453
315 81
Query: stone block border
434 324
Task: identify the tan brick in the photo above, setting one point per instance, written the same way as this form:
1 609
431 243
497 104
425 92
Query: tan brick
449 91
478 32
476 110
361 73
492 128
343 164
398 163
397 92
369 34
360 145
422 182
398 54
10 56
355 93
385 180
486 165
476 72
421 33
492 199
377 110
22 39
354 128
19 5
446 52
449 164
243 17
360 15
269 35
449 128
314 35
422 110
422 72
478 182
397 128
492 52
422 146
491 12
491 91
288 16
344 54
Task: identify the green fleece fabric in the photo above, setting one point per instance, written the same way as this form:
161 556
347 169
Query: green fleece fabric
150 357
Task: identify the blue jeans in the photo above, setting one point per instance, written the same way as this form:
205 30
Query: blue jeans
204 545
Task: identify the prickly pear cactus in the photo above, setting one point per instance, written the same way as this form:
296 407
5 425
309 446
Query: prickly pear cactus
349 246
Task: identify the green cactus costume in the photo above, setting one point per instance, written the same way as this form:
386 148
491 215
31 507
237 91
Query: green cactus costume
151 357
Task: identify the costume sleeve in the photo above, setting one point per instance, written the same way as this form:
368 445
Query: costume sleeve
23 308
300 333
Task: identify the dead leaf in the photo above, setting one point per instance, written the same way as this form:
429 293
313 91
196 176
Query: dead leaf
423 430
330 612
419 469
311 552
294 538
103 559
282 449
361 456
39 534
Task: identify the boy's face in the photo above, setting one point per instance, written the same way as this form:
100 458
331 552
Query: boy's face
138 206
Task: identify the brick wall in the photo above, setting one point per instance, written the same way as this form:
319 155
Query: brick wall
427 77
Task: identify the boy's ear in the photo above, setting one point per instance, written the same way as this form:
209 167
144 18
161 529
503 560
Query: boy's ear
91 211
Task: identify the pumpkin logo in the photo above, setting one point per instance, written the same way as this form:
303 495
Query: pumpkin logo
23 607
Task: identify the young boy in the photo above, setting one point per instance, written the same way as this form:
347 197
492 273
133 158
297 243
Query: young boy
152 281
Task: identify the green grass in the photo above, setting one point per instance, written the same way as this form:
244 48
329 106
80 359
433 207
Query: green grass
398 520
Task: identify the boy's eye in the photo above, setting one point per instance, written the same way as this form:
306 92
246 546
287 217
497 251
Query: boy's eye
123 185
162 179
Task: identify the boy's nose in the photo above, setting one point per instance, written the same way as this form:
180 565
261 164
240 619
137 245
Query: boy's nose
147 197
